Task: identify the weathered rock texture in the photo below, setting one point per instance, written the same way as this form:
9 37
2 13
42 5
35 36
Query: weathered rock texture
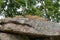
26 26
6 36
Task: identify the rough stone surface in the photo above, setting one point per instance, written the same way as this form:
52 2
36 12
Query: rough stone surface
30 27
19 29
6 36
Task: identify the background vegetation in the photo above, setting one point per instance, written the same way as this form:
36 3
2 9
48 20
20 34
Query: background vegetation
49 9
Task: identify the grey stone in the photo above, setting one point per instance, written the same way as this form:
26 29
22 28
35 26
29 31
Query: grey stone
31 27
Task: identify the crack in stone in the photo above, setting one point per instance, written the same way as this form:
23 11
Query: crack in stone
14 22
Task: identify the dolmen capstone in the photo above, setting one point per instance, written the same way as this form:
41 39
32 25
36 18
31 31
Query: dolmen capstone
28 29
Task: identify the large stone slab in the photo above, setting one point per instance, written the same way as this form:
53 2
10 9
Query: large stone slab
30 26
